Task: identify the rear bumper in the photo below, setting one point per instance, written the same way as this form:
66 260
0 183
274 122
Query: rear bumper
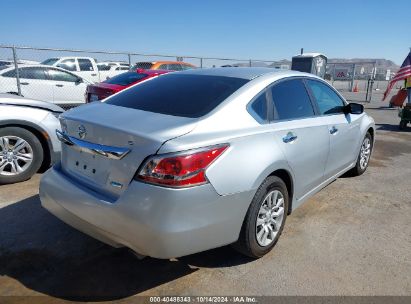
153 221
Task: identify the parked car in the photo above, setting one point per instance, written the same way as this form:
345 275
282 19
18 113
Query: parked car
86 67
117 83
203 158
164 65
111 69
44 83
28 141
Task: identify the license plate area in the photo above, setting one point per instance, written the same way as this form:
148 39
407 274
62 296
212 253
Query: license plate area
91 167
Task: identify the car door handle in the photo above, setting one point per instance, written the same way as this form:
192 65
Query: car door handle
24 83
333 130
94 74
59 85
290 137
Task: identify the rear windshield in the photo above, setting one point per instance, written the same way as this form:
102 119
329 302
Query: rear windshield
125 78
179 94
50 61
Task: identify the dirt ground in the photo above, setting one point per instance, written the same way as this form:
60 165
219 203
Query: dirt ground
352 238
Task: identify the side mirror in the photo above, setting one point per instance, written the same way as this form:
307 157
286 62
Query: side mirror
78 81
354 108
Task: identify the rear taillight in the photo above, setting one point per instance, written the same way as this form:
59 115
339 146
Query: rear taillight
185 169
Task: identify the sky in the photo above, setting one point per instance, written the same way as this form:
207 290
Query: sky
268 30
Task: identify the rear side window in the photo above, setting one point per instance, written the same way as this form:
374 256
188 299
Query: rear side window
291 100
179 94
32 73
187 67
143 65
258 108
28 73
103 67
126 78
327 100
85 65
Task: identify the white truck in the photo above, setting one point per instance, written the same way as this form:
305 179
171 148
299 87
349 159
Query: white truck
85 67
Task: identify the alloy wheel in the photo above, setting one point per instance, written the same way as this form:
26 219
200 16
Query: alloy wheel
16 155
365 153
270 218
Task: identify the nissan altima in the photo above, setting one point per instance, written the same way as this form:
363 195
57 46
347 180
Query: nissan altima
203 158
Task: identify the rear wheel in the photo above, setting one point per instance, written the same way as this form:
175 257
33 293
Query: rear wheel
21 155
265 219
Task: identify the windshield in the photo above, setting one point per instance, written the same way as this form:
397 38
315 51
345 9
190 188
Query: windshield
125 79
50 61
179 94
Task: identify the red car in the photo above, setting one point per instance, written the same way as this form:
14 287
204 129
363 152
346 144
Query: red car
99 91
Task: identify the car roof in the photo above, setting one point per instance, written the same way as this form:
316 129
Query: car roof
244 72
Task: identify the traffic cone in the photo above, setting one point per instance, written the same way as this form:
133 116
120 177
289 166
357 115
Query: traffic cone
356 88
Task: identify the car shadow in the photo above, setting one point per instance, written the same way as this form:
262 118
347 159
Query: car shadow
50 257
390 127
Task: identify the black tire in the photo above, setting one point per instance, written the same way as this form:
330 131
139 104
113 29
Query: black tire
357 170
247 243
37 151
403 125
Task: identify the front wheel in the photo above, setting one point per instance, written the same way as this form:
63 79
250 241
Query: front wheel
265 219
21 155
363 158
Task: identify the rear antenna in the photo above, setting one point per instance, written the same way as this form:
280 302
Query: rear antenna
302 51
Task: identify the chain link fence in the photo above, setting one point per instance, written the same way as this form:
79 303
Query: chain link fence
82 67
361 81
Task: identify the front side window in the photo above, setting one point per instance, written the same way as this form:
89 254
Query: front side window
327 100
179 94
163 67
291 100
57 75
174 67
68 64
85 65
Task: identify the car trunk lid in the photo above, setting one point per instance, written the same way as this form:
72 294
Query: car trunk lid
98 126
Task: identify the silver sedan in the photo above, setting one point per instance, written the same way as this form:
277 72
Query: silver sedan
199 159
28 141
